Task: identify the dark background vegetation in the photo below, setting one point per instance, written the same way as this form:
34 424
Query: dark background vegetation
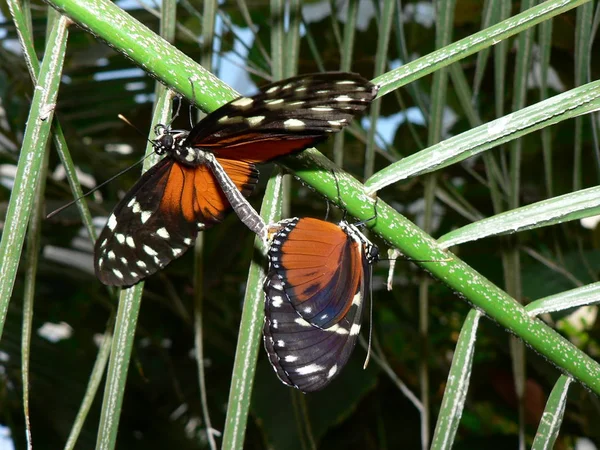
361 409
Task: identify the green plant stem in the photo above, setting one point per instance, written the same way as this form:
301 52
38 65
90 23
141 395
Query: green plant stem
249 336
120 354
31 157
468 283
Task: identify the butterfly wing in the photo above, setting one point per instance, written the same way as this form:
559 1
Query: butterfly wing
159 218
321 269
302 354
283 117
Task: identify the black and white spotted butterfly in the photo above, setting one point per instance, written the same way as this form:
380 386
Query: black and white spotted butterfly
205 170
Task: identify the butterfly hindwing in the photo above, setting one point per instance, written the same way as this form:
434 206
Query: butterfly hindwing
302 355
159 218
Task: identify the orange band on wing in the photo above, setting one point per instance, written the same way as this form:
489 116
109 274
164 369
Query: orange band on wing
195 193
265 150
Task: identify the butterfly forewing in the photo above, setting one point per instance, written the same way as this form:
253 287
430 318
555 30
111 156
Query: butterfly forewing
321 266
159 218
304 355
295 113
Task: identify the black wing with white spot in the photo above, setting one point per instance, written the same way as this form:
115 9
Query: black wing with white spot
159 218
294 113
302 355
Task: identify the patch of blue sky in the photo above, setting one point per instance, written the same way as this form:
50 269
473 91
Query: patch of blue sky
134 72
6 442
315 12
231 66
387 127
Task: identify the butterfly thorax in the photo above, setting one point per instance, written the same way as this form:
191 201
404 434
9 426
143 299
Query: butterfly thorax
370 251
173 143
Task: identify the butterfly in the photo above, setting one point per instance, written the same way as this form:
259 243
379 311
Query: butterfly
315 290
195 185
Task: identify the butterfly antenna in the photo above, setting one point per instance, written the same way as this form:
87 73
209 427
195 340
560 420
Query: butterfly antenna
56 211
124 119
370 318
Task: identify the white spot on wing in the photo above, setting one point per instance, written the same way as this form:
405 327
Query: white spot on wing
280 343
274 104
112 222
118 273
145 216
290 358
111 255
150 250
311 368
163 233
276 301
141 264
120 237
130 241
343 98
332 371
187 241
136 208
355 329
322 108
177 252
337 329
303 323
230 120
254 121
243 102
294 124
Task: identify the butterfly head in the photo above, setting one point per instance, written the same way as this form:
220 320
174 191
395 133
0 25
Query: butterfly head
168 140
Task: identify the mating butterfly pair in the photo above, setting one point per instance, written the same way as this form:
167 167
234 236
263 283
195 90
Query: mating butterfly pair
197 182
311 322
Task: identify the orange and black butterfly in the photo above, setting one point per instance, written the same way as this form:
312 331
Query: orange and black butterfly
191 188
315 290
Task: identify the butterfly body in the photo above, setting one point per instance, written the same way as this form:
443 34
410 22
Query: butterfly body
315 290
212 168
